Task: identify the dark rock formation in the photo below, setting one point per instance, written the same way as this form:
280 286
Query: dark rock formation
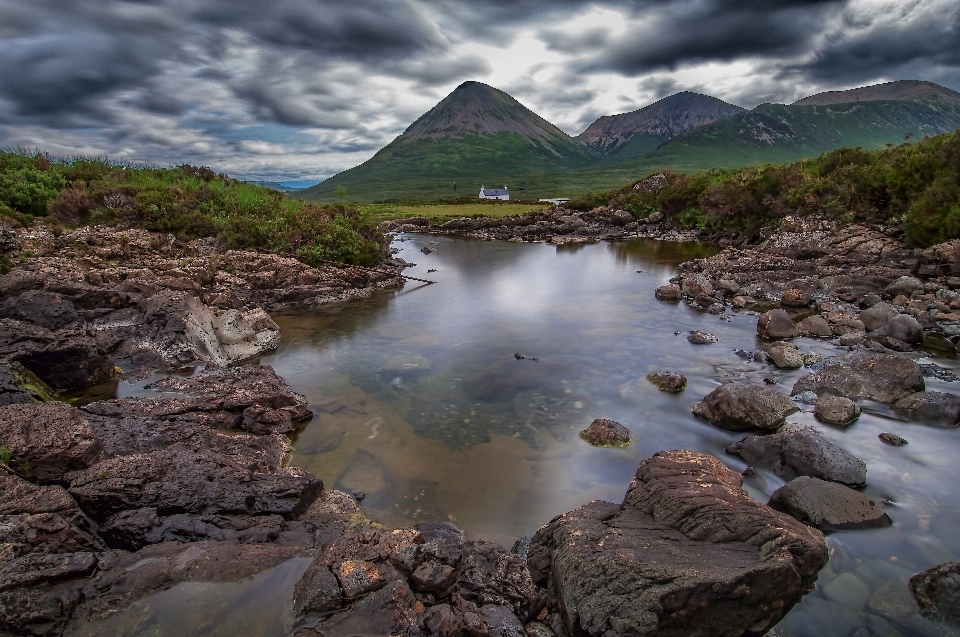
668 381
937 591
935 408
606 433
836 410
47 440
827 505
687 549
776 324
739 407
798 450
885 378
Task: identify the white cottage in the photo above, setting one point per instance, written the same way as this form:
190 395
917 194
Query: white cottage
494 193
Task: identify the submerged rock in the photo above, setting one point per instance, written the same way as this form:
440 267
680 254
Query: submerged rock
739 406
937 591
606 433
939 409
686 549
668 381
798 450
827 505
884 378
836 410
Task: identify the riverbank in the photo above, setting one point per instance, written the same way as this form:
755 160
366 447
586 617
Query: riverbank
140 471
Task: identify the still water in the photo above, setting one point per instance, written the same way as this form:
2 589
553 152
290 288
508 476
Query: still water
422 405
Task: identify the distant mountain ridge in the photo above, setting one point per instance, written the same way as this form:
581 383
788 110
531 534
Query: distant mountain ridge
656 123
900 90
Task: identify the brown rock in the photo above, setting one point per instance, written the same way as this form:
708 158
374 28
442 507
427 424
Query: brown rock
668 293
885 378
815 326
47 440
795 298
606 433
939 409
836 410
827 505
668 381
739 406
776 324
937 591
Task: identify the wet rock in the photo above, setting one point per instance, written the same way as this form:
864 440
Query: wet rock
433 577
877 315
686 549
836 410
828 506
739 406
668 381
935 408
47 440
70 363
39 591
869 300
892 439
885 378
937 591
392 610
905 285
815 326
785 355
318 591
795 298
490 575
695 286
358 578
606 433
903 328
798 450
702 338
182 479
940 344
776 324
668 293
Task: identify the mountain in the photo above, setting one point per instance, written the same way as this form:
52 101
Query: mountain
901 90
639 132
476 135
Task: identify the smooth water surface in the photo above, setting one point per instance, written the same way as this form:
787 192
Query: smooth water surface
422 406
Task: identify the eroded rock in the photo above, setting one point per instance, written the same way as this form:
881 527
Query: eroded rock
48 440
937 591
668 381
836 410
739 407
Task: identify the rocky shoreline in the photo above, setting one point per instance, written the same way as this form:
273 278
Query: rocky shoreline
103 504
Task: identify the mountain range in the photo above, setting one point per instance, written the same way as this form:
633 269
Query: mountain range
481 135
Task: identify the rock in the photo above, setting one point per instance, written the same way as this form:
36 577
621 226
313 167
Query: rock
47 440
70 363
903 328
798 450
776 324
702 338
695 286
621 218
935 408
869 300
885 378
795 298
655 217
46 309
836 410
181 479
606 433
905 285
937 591
741 301
938 343
668 381
877 315
739 406
785 355
827 505
318 591
729 287
892 439
686 549
668 293
815 326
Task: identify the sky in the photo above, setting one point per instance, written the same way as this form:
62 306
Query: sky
298 90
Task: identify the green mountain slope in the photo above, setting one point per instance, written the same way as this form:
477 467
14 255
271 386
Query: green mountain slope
476 136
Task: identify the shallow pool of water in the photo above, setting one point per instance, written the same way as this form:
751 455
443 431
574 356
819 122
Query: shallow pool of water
423 407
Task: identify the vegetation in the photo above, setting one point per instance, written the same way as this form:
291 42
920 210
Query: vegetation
6 455
444 211
188 202
917 185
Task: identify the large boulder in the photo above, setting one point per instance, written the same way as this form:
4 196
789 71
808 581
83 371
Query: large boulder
877 315
740 406
795 298
937 591
905 285
885 378
798 450
776 324
47 440
902 327
930 407
668 293
687 549
827 505
816 326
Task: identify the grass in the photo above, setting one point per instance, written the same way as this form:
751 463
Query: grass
445 211
188 202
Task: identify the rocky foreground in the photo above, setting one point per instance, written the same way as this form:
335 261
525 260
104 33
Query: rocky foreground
104 504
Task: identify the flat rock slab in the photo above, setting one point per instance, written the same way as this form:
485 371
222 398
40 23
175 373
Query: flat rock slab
937 591
47 440
740 407
686 549
935 408
827 505
798 450
606 433
885 378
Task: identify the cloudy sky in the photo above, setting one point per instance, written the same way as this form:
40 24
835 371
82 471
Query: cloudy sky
297 90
